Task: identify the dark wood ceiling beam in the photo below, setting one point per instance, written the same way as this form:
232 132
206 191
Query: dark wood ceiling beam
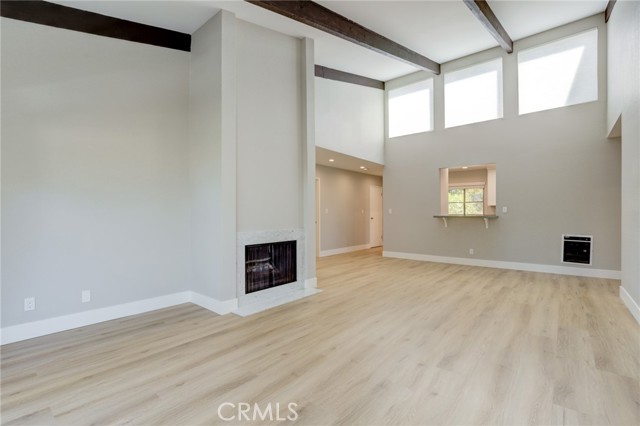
608 10
69 18
347 77
319 17
482 11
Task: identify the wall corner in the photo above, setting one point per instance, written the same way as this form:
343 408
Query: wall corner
309 156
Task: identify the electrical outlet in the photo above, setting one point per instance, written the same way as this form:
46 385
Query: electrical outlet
504 209
29 303
390 211
470 251
86 296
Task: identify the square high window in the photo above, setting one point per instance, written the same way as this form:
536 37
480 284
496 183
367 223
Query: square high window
560 73
473 94
411 109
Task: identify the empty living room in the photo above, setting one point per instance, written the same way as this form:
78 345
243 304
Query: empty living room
337 212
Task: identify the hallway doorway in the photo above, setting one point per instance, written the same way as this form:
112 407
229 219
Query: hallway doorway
375 214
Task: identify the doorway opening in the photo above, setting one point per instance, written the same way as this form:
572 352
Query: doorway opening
318 217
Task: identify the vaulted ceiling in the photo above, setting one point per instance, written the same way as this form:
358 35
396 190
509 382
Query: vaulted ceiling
439 30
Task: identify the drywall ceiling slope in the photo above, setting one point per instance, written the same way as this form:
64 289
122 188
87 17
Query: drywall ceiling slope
524 18
182 16
187 16
440 30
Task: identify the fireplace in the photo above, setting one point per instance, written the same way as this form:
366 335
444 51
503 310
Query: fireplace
269 265
270 269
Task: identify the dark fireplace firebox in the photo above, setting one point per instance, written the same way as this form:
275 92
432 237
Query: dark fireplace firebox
269 265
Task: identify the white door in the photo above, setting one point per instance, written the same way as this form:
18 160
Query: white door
317 217
375 216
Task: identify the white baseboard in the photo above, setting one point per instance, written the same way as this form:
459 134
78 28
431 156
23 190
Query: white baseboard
29 330
530 267
311 283
631 304
343 250
214 305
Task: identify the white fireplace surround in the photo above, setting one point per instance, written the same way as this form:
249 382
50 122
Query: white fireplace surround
269 296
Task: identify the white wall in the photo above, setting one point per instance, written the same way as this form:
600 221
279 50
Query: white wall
247 165
212 166
344 205
94 171
350 119
624 101
270 116
128 169
556 172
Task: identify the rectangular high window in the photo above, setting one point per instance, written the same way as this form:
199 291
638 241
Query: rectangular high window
560 73
411 109
473 94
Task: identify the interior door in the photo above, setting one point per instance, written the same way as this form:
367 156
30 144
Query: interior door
317 217
375 215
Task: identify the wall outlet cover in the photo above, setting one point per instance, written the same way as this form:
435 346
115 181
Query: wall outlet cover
29 303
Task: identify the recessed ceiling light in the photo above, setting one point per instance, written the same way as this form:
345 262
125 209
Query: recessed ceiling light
363 168
465 167
331 160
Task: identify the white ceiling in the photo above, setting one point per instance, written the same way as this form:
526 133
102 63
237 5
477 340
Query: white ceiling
346 162
524 18
440 30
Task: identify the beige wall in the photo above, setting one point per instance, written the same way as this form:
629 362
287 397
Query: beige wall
558 159
624 102
344 207
457 177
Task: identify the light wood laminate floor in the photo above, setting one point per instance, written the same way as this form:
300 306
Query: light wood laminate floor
388 341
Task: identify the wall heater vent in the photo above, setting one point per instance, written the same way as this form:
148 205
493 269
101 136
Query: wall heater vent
577 249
